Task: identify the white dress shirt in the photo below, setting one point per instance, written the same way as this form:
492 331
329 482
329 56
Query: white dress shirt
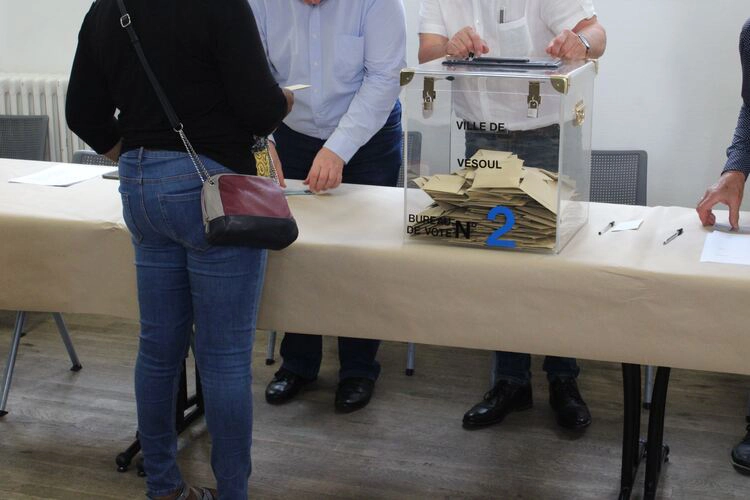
511 28
527 26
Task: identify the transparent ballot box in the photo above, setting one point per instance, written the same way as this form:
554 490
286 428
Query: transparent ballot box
498 153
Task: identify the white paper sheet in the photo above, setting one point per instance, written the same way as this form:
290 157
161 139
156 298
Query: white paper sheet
630 225
727 248
63 175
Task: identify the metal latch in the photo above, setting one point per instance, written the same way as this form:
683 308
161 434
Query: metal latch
580 114
534 100
428 94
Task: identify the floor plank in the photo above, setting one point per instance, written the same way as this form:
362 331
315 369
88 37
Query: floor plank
64 429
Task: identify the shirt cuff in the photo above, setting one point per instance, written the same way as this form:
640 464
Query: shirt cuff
738 163
343 146
433 29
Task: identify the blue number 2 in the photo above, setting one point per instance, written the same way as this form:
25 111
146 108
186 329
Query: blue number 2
494 239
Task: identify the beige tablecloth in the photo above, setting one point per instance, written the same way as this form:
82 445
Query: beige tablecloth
617 297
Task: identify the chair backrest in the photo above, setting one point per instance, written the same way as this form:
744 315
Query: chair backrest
411 150
87 157
24 137
619 177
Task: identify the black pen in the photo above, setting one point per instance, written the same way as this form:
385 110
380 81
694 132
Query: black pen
609 226
675 235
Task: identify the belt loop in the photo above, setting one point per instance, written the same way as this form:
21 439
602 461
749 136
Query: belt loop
140 164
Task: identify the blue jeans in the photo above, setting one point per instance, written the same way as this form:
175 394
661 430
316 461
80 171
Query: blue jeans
377 163
184 282
538 148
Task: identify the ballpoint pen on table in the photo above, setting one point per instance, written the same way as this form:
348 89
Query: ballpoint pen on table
675 235
607 228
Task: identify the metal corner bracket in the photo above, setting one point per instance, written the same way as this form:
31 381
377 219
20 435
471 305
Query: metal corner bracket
560 83
407 75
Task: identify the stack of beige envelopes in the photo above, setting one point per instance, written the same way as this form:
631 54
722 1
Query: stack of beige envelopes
465 198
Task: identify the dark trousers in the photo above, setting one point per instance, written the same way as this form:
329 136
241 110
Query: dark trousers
537 148
377 163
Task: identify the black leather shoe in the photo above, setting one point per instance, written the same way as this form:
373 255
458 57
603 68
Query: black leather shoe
284 386
570 408
502 399
353 394
741 454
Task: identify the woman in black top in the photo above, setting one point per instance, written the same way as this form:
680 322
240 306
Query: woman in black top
209 59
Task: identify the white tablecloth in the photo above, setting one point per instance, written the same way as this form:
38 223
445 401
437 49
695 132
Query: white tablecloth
617 297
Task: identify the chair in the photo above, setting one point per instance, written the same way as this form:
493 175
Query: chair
620 177
86 157
413 141
25 138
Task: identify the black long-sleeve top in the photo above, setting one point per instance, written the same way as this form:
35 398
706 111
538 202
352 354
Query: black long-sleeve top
208 58
738 154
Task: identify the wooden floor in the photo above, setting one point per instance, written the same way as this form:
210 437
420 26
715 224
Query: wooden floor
64 429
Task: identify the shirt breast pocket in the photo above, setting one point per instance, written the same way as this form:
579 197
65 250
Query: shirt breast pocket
349 63
514 38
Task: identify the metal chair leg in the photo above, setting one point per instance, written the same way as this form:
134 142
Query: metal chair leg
648 387
271 348
68 343
23 325
15 340
656 452
411 356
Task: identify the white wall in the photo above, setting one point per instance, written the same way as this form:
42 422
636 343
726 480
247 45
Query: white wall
669 82
39 36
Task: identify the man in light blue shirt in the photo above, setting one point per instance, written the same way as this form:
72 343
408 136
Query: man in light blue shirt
345 128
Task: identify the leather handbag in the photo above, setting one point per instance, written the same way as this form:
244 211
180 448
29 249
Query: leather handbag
238 210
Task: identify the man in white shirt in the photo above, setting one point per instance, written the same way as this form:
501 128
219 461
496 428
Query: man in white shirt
565 29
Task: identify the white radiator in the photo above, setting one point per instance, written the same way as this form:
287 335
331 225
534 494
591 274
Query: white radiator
22 94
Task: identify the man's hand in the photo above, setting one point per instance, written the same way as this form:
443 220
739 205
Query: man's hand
326 171
464 42
728 190
276 163
567 45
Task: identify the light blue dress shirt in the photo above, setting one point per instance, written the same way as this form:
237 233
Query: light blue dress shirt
350 51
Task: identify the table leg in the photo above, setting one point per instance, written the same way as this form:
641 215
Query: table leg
656 452
631 447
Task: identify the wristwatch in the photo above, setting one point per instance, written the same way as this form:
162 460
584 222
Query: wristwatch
585 42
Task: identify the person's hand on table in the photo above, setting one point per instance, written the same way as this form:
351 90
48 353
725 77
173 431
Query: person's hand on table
326 172
276 163
567 45
728 190
465 42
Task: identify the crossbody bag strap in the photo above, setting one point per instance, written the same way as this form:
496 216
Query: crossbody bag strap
127 24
